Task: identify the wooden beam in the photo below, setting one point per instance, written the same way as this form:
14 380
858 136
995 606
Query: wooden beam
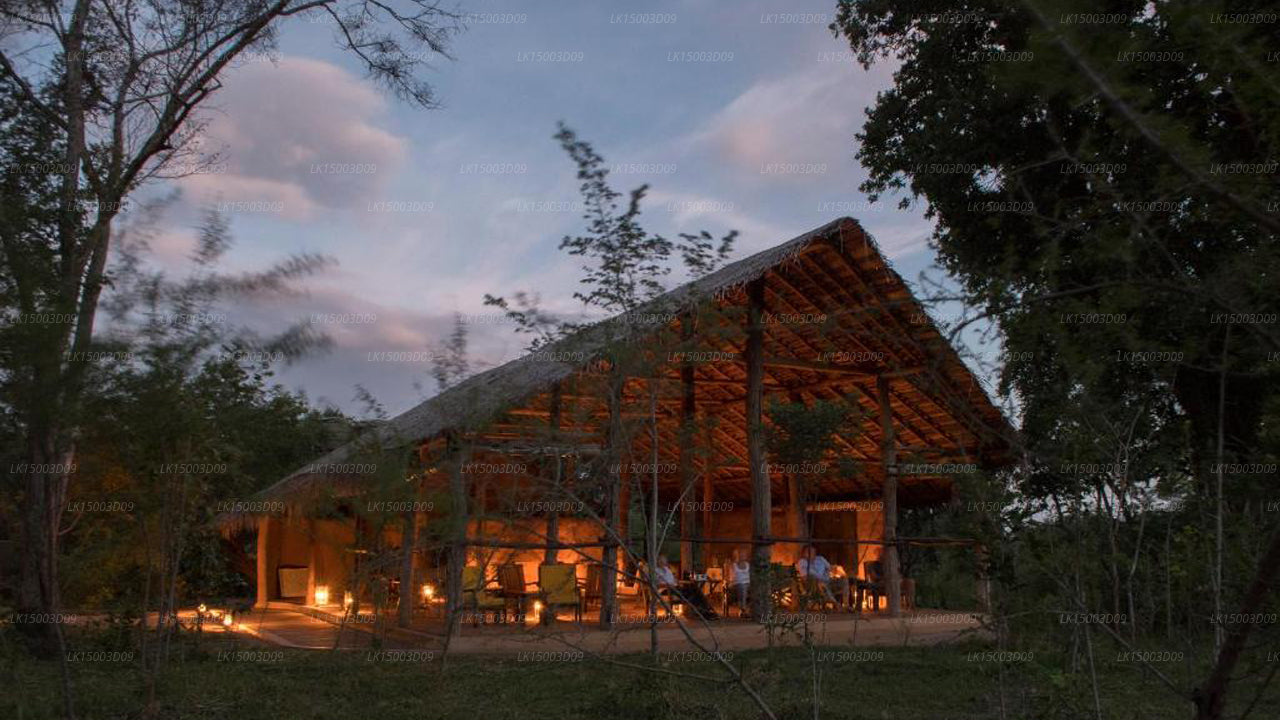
761 500
866 370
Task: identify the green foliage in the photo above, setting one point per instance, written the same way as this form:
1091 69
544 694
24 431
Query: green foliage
804 432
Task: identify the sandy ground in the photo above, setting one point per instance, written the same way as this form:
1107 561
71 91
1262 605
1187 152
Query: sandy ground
288 626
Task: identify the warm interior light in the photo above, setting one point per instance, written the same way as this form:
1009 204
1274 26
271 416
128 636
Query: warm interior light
202 609
428 592
347 599
226 620
679 610
322 594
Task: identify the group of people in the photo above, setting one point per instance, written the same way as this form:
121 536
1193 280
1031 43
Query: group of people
813 570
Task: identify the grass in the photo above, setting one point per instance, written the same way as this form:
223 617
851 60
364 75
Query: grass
262 683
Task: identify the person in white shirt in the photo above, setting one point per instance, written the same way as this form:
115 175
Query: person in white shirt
815 571
740 578
662 575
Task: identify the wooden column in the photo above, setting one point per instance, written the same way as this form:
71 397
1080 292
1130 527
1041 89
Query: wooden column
457 530
796 495
313 557
615 511
708 489
983 578
888 451
761 499
688 493
266 560
408 541
557 477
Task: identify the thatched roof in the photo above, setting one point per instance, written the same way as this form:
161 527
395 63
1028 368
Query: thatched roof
835 269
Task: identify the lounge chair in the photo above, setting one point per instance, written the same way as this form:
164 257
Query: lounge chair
558 587
478 599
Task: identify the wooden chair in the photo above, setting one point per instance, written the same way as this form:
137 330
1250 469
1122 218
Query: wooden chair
875 586
558 587
594 590
514 589
478 599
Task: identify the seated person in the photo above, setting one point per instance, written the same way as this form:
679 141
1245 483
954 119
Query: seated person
815 573
740 579
840 584
687 592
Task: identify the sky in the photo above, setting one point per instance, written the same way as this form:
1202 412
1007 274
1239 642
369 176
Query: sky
739 116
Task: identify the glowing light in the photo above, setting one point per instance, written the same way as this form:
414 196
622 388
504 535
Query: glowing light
347 599
226 620
322 594
428 592
202 609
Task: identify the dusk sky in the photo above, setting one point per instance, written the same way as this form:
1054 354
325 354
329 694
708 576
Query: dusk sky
739 115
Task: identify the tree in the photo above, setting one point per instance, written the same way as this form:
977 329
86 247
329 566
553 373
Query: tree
118 88
1101 189
623 269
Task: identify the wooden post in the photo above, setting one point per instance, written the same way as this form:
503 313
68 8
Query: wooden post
553 517
408 541
688 493
313 557
708 490
457 531
614 511
761 498
983 578
796 495
266 560
888 450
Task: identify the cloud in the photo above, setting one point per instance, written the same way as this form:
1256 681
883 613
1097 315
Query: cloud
806 117
383 348
301 133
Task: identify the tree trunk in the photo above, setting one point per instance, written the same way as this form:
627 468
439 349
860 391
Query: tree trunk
44 494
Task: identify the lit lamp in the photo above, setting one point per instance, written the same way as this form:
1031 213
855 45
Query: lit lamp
537 612
322 595
202 609
226 620
428 592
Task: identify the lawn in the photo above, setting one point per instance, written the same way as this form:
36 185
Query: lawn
226 678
